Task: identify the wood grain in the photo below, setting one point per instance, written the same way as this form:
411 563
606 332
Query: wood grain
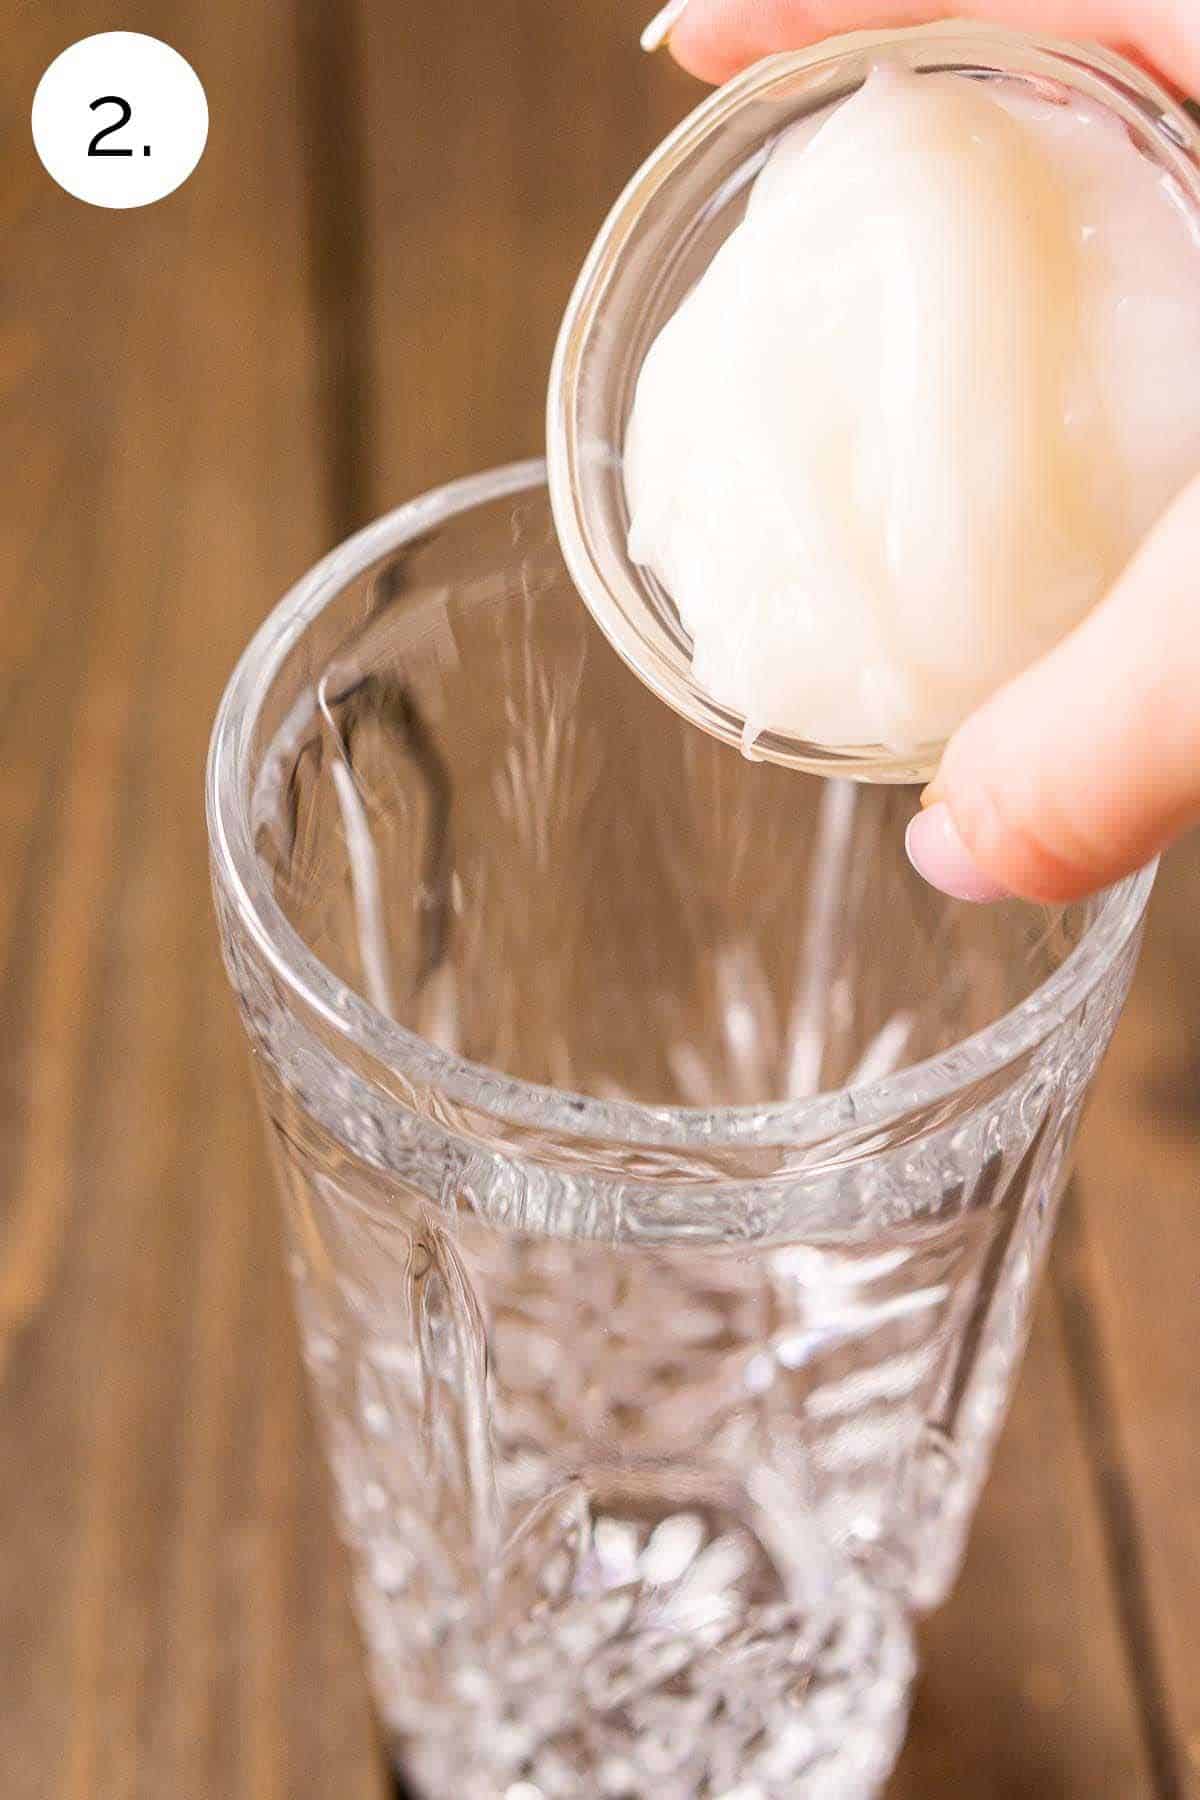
356 297
1134 1266
170 1597
1025 1688
499 137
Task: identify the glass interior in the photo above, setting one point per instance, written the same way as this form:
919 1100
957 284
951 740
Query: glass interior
483 823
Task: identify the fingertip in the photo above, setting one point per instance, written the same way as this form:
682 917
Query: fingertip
941 856
698 48
991 784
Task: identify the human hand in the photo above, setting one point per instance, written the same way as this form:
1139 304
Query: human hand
1088 763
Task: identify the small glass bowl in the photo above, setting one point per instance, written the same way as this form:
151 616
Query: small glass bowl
659 238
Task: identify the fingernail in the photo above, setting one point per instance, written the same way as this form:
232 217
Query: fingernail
663 24
940 857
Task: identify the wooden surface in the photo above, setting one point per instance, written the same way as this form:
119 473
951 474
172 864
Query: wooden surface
354 297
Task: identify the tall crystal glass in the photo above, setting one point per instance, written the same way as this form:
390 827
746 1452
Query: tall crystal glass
666 1174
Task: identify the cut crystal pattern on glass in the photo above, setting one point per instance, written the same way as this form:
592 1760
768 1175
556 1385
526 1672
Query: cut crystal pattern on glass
666 1174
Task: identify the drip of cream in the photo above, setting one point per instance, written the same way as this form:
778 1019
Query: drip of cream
920 409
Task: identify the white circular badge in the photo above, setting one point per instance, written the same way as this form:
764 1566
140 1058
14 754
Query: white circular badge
120 119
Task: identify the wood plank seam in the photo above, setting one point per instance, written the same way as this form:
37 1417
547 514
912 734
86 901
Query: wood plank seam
329 60
1114 1499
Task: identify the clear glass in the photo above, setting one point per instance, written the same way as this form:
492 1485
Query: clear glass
659 238
666 1173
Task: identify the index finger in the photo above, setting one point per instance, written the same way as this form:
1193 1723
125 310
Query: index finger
716 38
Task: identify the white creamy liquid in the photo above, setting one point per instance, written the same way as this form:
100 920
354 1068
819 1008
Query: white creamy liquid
920 409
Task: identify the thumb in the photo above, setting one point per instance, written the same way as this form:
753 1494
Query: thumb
1088 764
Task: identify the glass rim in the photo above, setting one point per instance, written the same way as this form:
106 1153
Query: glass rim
399 1052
